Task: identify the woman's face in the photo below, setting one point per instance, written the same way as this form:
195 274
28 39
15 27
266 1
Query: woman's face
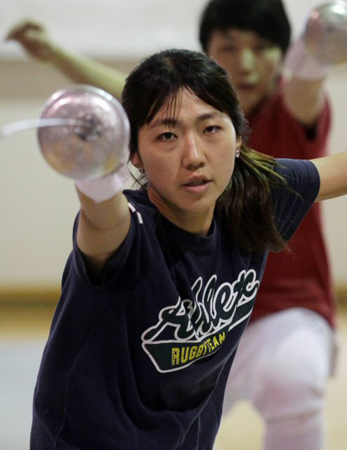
252 62
188 158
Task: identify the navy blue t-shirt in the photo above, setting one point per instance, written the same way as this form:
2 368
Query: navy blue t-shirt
140 361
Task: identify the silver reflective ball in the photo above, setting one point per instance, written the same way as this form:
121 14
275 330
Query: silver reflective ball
97 142
326 33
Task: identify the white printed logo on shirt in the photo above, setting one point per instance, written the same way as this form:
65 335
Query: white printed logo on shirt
200 325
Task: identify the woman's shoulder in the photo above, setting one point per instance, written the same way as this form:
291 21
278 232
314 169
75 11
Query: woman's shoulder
138 196
299 169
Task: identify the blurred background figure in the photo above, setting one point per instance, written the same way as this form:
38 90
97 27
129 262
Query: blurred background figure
37 42
286 356
287 353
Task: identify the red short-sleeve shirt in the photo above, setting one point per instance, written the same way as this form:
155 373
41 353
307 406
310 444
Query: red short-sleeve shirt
300 277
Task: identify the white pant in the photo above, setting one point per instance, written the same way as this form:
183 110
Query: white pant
282 367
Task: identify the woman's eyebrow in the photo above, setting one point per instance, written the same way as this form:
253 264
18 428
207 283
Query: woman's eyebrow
210 115
172 122
168 122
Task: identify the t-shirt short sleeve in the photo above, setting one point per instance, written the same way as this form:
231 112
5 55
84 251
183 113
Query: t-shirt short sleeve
291 205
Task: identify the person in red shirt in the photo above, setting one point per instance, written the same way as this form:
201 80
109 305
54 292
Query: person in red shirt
286 354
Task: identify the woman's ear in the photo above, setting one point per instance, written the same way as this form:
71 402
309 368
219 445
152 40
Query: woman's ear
238 146
136 161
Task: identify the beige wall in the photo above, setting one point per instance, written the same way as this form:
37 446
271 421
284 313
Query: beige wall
121 29
38 205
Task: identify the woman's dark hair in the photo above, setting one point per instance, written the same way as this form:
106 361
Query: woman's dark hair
247 200
268 18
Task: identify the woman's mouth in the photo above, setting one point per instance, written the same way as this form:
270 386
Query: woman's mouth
197 186
197 183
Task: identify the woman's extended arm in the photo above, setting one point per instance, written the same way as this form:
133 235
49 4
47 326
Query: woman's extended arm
102 228
333 176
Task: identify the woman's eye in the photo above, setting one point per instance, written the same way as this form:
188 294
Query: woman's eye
212 129
167 136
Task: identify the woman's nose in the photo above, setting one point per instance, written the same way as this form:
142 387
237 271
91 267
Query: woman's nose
194 154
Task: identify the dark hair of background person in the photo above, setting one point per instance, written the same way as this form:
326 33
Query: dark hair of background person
268 18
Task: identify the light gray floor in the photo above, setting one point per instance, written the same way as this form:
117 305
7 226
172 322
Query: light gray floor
19 363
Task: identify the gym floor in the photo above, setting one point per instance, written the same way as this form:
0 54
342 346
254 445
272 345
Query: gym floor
23 332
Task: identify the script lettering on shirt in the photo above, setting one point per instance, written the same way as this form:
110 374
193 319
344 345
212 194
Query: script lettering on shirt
199 326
